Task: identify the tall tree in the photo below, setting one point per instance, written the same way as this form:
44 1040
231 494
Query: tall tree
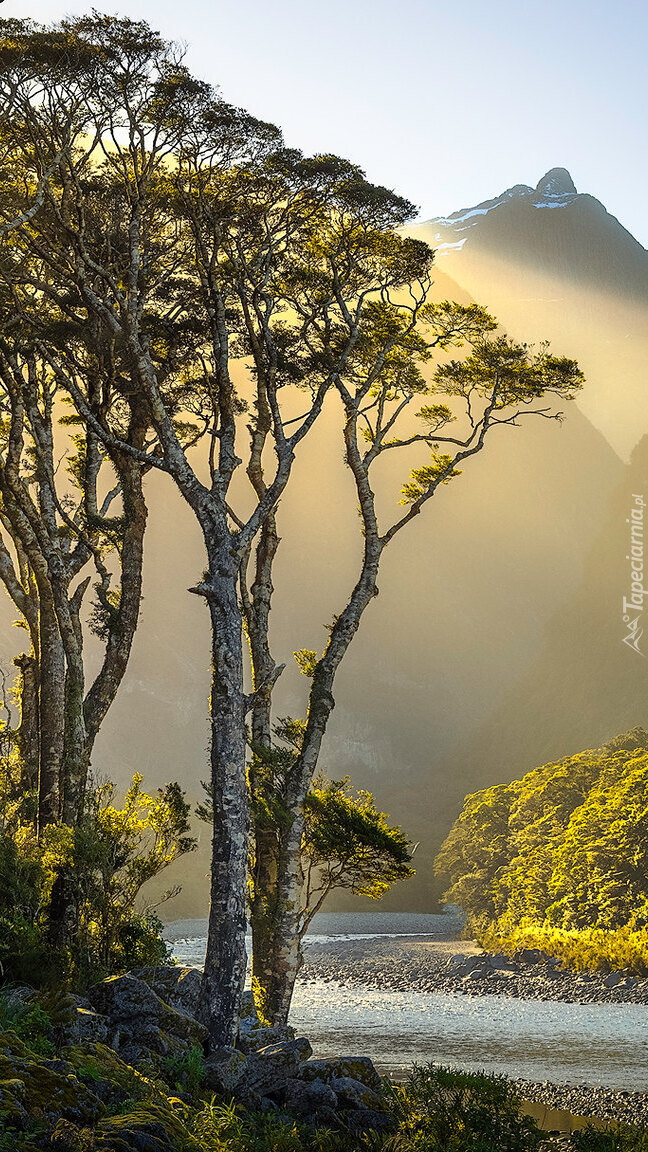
57 526
210 227
392 410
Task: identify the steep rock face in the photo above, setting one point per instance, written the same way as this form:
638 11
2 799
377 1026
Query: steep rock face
557 182
553 263
550 229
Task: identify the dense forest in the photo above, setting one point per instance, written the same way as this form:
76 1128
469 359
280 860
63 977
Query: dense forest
559 858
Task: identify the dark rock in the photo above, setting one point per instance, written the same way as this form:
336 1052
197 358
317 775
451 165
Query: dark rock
268 1069
136 1132
132 1003
85 1025
369 1120
612 980
253 1034
18 997
352 1093
45 1088
357 1067
224 1068
179 987
307 1099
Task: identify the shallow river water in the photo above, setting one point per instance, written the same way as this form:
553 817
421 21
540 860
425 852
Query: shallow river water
602 1044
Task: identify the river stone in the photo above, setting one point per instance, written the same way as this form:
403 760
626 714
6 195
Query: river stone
501 962
357 1067
179 987
532 956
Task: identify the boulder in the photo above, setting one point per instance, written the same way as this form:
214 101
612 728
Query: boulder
268 1069
463 965
224 1068
308 1098
48 1089
147 1129
253 1034
135 1008
476 974
532 956
352 1093
362 1120
179 987
86 1025
500 962
18 997
356 1067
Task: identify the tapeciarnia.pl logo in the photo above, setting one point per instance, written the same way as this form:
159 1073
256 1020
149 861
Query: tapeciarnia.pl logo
633 605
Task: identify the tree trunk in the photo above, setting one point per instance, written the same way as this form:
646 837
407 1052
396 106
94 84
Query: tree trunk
52 715
286 959
225 962
263 918
265 868
277 953
28 734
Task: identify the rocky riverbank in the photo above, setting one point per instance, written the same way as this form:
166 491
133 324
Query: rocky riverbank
583 1100
457 967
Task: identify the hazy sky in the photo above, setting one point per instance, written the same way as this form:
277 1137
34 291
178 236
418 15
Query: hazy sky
447 103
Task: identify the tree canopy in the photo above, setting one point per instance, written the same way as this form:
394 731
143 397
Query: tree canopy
566 846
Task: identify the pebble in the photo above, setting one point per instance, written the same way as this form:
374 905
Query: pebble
415 970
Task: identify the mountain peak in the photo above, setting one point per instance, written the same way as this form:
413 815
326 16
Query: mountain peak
556 182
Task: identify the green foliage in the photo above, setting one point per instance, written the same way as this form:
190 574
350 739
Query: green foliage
618 1139
560 856
444 1110
187 1071
349 844
30 1022
221 1127
106 859
503 378
306 659
116 851
436 1110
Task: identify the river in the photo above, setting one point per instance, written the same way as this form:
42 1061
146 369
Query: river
594 1044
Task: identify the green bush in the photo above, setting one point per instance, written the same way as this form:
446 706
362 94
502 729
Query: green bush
30 1023
445 1110
104 862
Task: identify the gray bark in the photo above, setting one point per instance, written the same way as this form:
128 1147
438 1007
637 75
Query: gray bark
225 961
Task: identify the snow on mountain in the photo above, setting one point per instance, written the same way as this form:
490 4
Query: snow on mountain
556 189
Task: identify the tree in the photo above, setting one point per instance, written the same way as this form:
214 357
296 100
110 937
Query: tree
57 526
347 841
565 847
348 844
251 249
110 852
211 225
497 384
